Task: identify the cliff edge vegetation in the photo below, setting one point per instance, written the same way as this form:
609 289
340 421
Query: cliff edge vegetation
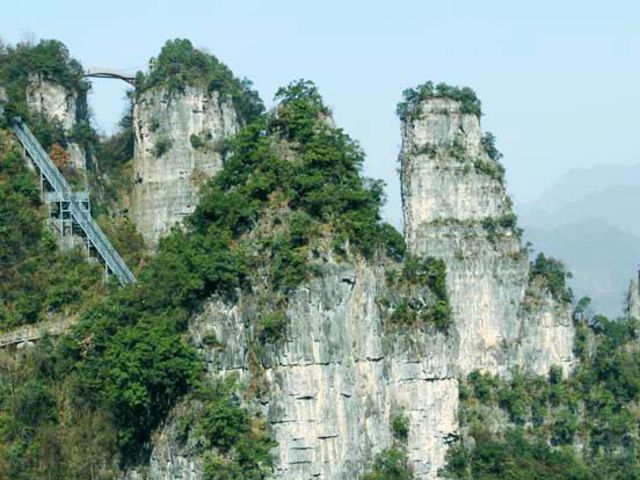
290 189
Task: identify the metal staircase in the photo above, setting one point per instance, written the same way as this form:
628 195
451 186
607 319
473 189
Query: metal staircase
76 204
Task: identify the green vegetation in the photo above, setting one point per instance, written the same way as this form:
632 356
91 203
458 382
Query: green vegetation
554 274
409 108
585 426
196 141
391 464
400 426
494 170
430 307
496 226
322 184
180 65
291 186
50 59
514 457
162 146
233 443
489 144
457 150
36 279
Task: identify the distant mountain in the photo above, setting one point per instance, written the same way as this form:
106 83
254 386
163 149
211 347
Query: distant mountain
617 205
602 258
579 183
590 218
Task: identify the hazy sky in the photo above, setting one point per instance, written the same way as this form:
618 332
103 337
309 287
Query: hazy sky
559 80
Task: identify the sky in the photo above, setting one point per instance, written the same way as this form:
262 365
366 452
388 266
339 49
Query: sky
559 81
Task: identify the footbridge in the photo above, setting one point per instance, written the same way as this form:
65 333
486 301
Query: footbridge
110 73
73 207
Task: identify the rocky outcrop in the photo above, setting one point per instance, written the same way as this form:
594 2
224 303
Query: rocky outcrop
52 100
633 299
62 105
456 208
330 390
334 385
178 139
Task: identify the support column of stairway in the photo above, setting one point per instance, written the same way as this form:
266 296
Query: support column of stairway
80 215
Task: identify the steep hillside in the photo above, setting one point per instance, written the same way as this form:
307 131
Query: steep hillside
283 330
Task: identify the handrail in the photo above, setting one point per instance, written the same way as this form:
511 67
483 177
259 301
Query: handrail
62 187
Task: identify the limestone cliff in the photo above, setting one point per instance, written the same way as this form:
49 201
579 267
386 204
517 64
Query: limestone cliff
178 138
330 390
456 208
61 105
633 300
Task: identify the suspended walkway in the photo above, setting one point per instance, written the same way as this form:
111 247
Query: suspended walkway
73 207
110 73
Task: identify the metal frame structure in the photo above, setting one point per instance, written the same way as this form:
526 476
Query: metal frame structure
107 73
71 210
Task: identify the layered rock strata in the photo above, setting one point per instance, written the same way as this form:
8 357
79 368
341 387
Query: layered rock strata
456 208
332 388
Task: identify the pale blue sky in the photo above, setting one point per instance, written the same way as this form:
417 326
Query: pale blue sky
559 81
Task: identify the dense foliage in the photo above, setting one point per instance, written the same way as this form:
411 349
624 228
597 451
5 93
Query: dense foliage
291 184
180 65
233 443
390 464
585 426
412 307
49 59
36 279
412 99
555 276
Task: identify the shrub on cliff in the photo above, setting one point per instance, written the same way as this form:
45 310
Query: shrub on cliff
555 276
390 464
49 58
36 279
584 426
412 98
180 65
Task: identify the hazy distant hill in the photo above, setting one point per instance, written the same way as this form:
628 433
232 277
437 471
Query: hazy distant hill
590 218
582 182
603 259
617 205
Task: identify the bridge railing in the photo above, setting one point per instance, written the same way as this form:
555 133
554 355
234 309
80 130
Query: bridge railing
62 187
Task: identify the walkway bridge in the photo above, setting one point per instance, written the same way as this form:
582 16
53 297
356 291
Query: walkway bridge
73 207
110 73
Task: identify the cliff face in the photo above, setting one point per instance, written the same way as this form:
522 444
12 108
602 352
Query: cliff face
332 388
456 209
330 391
178 137
62 105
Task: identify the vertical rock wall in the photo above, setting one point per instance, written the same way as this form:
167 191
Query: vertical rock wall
332 389
62 105
335 384
177 148
456 208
